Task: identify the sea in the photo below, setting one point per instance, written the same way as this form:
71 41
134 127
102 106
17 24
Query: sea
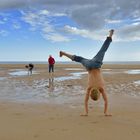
70 62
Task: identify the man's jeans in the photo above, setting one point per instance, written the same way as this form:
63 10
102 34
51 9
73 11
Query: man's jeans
97 60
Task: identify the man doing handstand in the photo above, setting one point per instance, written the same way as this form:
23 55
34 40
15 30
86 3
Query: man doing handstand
95 78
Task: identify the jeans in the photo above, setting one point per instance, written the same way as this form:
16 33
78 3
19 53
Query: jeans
97 61
51 68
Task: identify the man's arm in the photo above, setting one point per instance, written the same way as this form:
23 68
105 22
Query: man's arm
105 103
54 61
86 103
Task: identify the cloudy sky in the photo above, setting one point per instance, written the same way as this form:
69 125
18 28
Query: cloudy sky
30 30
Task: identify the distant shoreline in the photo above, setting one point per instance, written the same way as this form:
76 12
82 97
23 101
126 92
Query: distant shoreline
70 62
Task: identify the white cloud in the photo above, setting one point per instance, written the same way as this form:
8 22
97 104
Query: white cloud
40 20
95 35
88 15
55 37
16 25
126 33
113 21
3 20
44 12
4 33
81 32
129 33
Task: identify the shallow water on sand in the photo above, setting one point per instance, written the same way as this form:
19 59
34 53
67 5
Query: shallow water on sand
20 72
133 71
44 90
40 91
55 90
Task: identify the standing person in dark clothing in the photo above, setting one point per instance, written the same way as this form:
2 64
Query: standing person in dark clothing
51 62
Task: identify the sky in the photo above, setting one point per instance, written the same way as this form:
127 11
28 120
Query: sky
31 30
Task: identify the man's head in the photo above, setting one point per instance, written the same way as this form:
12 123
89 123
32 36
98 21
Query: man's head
94 94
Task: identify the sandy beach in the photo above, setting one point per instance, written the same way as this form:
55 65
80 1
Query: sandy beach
41 107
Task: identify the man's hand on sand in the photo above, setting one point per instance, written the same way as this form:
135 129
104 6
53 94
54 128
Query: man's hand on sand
108 115
84 115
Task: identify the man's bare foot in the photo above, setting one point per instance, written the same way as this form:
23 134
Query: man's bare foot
111 32
60 53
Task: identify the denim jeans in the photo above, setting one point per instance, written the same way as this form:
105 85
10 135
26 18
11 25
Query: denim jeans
97 61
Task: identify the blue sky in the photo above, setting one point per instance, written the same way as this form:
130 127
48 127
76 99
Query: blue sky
31 30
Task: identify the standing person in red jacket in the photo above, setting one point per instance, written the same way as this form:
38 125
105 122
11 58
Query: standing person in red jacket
51 62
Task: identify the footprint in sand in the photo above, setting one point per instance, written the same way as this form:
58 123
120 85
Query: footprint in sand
64 129
80 123
52 129
18 114
51 118
36 136
94 122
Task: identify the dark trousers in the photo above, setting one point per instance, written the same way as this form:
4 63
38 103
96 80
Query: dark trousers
51 68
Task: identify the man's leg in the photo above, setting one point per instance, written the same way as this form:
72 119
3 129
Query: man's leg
100 55
82 60
66 54
72 57
52 68
49 68
30 71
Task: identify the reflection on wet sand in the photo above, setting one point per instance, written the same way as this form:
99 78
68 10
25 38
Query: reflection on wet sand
17 86
51 84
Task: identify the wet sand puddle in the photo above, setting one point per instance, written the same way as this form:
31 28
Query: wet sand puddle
137 71
20 72
40 90
132 89
54 90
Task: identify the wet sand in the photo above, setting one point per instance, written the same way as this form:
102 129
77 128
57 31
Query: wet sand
57 116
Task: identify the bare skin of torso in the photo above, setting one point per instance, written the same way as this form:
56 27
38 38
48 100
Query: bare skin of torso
95 79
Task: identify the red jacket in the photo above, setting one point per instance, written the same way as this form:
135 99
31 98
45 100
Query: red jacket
51 61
